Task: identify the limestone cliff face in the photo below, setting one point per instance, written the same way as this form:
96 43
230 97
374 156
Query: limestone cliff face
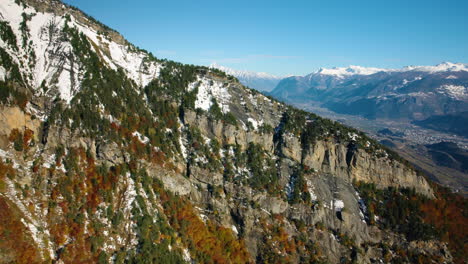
229 134
335 166
359 165
331 157
14 118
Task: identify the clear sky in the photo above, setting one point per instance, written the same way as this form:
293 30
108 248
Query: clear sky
291 37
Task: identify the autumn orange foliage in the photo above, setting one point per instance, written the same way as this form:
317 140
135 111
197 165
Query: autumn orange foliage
17 246
6 170
27 137
448 214
278 238
208 242
67 217
14 134
21 139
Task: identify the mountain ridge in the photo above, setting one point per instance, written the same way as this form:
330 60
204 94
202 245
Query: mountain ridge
359 70
260 81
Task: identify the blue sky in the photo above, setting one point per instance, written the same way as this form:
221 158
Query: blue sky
291 37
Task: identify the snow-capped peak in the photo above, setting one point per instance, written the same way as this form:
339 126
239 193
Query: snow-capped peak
244 74
442 67
358 70
261 81
350 70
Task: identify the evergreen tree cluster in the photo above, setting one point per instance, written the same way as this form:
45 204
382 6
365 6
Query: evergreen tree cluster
398 209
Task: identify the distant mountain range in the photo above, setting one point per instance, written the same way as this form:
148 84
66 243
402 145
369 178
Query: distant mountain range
260 81
413 93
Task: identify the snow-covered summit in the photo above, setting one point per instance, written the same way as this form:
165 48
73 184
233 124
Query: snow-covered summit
359 70
245 74
261 81
350 70
442 67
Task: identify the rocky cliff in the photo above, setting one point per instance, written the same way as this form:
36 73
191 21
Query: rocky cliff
109 154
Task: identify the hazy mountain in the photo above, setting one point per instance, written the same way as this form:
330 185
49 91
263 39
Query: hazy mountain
110 155
260 81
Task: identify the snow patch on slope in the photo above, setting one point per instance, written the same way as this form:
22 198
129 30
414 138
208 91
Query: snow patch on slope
209 89
457 92
136 64
256 124
338 205
54 63
2 73
143 139
52 58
